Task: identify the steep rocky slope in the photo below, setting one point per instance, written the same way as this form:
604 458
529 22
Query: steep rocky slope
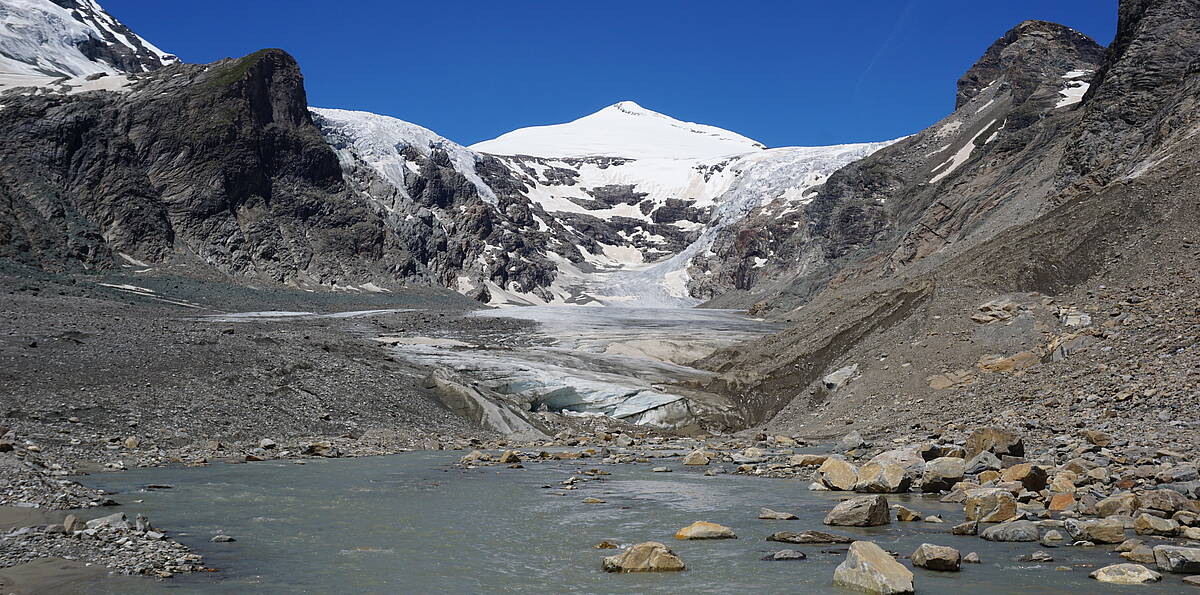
1046 277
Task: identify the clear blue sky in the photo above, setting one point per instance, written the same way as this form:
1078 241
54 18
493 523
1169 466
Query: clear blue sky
784 73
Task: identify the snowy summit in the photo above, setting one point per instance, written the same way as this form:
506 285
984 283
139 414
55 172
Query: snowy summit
624 129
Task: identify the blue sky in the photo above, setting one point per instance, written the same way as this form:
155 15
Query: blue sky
783 73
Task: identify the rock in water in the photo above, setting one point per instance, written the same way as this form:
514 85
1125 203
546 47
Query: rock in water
696 458
774 515
990 505
905 514
787 555
1183 560
876 478
705 530
804 537
1011 531
1126 574
869 569
1147 524
936 557
650 556
510 456
863 511
837 474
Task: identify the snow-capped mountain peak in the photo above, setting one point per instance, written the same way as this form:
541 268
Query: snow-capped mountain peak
71 38
623 129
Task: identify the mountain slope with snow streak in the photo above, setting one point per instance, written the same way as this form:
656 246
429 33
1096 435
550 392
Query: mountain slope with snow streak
70 38
624 129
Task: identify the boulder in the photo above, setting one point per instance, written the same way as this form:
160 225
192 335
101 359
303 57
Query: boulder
806 460
869 569
837 474
905 514
935 557
886 478
971 558
773 515
705 530
787 555
909 457
1126 574
1172 558
750 455
807 537
1119 503
942 473
696 458
1096 437
996 441
1096 531
1142 554
984 461
1032 477
863 511
650 556
989 505
967 528
852 441
1147 524
1061 502
839 378
509 457
116 520
1164 500
1011 531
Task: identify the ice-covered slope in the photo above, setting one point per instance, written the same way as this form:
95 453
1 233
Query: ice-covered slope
71 38
623 129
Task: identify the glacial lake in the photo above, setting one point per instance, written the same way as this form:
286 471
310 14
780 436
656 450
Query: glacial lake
416 523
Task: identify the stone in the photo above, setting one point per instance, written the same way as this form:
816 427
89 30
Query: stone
869 569
1012 363
1192 580
116 520
155 535
1061 502
1142 554
863 511
705 530
1177 559
936 557
1126 574
787 555
909 457
1097 531
772 515
1096 437
967 528
1032 477
593 501
473 456
624 441
321 449
1165 500
807 460
996 441
696 458
933 518
267 444
971 558
1119 503
605 545
989 476
840 377
809 537
510 456
222 539
942 473
72 524
875 478
750 455
984 461
837 474
132 442
990 505
1052 538
650 556
1147 524
661 470
1011 531
1038 556
906 514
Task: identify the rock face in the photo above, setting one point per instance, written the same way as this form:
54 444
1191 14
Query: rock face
935 557
705 530
863 511
869 569
1126 574
650 556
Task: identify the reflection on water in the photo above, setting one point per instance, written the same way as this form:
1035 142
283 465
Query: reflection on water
412 524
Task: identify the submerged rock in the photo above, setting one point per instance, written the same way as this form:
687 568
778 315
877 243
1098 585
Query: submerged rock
650 556
806 537
773 515
869 569
786 555
705 530
1126 574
